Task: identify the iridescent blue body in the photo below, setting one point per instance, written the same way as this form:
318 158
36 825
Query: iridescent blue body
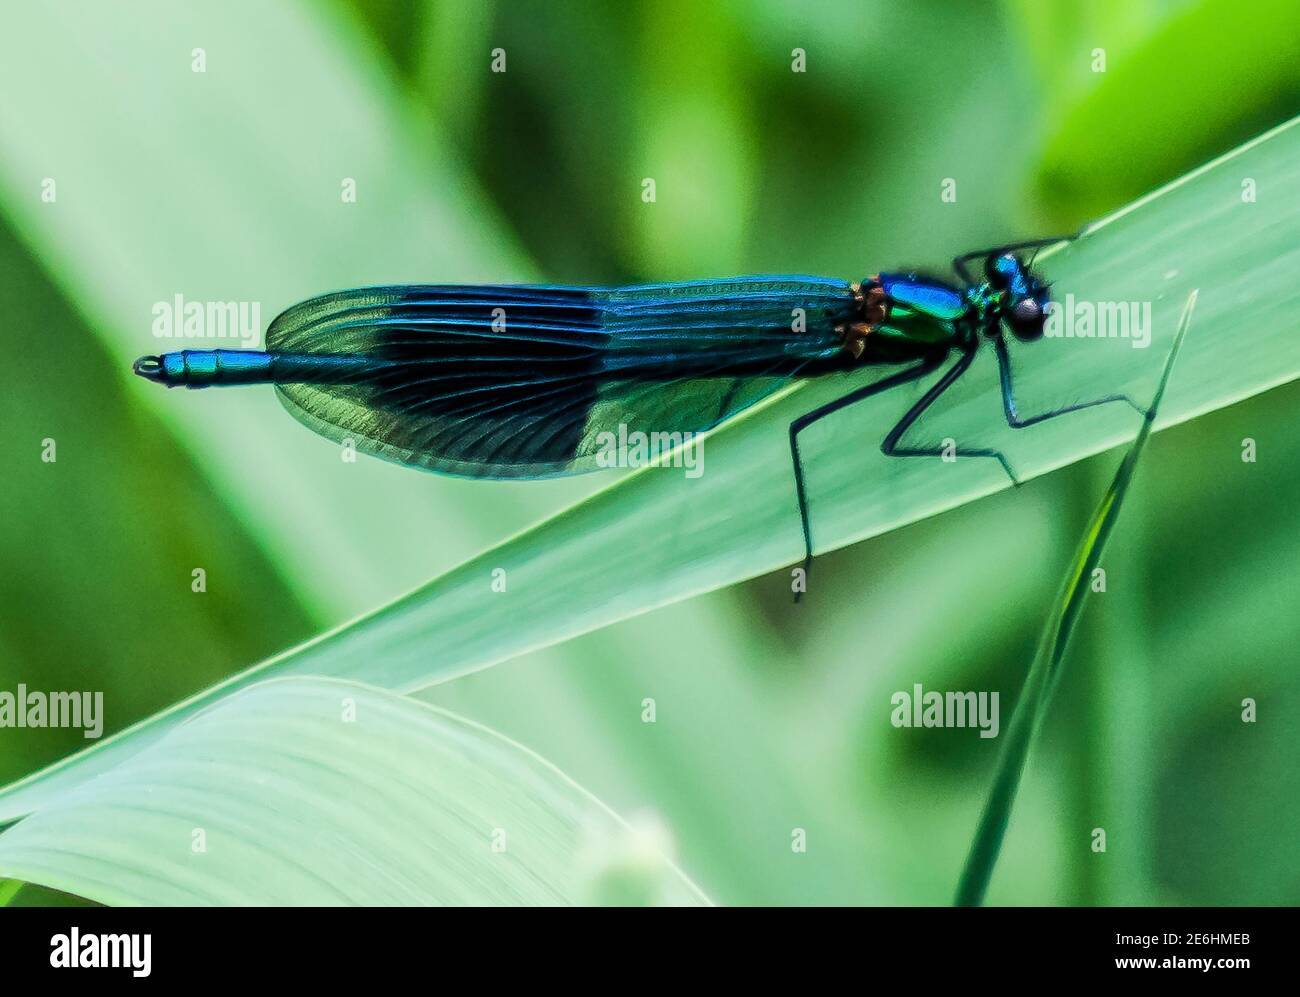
464 368
514 381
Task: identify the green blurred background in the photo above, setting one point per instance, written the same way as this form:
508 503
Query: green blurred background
225 184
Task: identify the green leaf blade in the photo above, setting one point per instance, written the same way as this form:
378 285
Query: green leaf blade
315 791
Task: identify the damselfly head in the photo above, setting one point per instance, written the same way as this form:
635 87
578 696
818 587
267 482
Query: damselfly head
1025 297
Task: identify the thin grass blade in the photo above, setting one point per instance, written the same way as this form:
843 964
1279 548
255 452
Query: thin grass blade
1045 672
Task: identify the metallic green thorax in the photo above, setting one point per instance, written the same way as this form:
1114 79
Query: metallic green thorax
920 311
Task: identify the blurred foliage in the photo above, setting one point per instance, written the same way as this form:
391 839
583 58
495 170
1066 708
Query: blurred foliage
100 544
769 718
1209 77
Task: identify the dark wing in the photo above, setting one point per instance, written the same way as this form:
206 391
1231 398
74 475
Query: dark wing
526 381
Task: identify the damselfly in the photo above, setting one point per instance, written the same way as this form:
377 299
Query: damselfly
514 381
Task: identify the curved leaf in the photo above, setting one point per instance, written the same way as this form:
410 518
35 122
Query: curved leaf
315 791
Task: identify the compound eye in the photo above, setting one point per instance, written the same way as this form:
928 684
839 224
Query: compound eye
1026 319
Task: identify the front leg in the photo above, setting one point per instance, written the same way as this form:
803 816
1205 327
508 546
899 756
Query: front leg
1014 419
890 445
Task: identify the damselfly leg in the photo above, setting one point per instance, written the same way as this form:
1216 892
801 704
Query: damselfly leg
1012 414
912 373
890 446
